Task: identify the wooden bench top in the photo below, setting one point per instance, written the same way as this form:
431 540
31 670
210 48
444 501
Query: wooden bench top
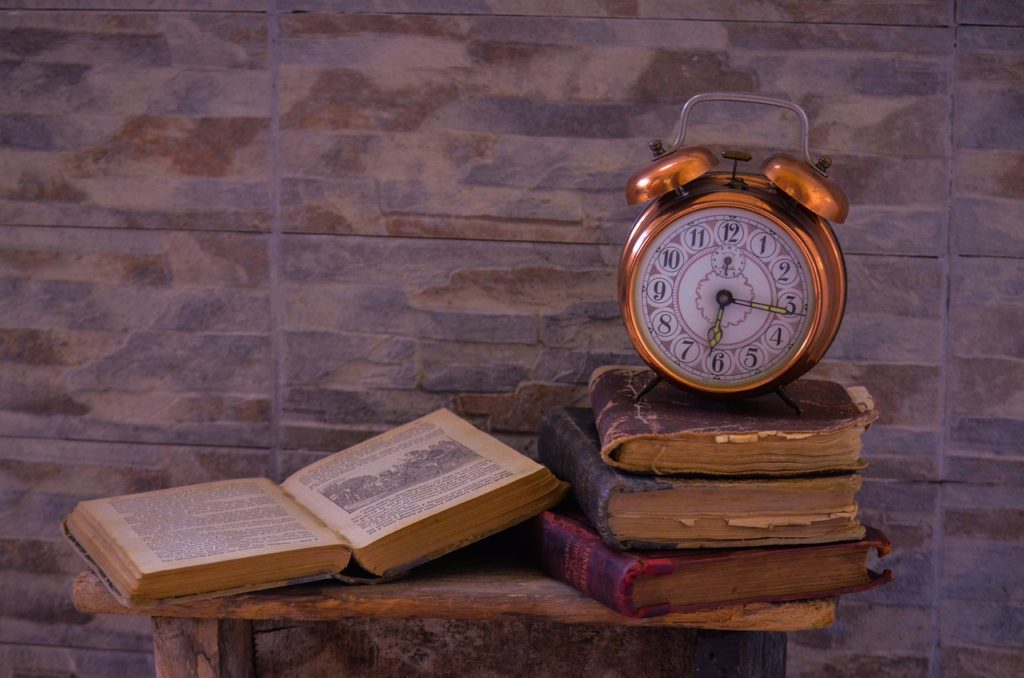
464 585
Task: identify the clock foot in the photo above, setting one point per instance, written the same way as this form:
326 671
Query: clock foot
786 398
655 380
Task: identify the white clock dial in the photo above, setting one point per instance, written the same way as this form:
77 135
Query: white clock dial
724 296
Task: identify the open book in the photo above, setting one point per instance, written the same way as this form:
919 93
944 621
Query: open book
394 501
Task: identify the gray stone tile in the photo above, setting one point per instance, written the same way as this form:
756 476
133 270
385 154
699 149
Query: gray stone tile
983 467
306 440
145 5
981 623
465 367
158 337
990 13
18 660
521 410
135 120
893 311
902 453
500 133
980 662
855 38
46 477
920 12
986 227
987 411
905 394
906 513
800 662
354 360
983 540
978 569
876 640
988 140
335 407
435 291
41 480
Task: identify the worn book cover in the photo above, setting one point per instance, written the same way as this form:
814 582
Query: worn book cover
645 511
654 583
671 431
388 504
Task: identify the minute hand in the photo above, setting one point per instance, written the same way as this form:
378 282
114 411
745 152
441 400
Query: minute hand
765 307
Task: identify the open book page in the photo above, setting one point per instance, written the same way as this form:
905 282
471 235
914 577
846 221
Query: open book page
206 523
402 476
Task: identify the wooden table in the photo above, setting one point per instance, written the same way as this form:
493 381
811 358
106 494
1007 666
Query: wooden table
471 613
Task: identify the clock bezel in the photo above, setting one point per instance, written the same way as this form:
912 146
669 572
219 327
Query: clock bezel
813 236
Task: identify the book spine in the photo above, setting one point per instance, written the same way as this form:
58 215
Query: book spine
570 452
578 557
606 395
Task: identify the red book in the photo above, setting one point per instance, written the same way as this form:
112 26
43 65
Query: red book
653 583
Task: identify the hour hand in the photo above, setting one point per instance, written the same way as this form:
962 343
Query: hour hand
715 333
764 307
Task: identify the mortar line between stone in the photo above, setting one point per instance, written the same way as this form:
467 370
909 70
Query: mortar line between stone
274 250
570 243
944 387
471 15
75 646
602 17
137 442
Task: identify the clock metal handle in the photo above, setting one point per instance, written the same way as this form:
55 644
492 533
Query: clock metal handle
746 99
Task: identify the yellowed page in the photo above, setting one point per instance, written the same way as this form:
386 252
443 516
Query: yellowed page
402 476
207 523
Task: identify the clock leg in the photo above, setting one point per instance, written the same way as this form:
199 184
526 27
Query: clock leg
786 398
654 381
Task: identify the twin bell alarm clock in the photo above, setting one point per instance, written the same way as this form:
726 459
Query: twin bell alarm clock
732 283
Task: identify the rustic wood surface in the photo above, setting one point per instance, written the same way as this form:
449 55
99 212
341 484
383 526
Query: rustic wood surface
721 654
450 590
211 648
472 613
432 647
479 596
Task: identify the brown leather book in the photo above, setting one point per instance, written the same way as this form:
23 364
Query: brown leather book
655 583
671 431
635 511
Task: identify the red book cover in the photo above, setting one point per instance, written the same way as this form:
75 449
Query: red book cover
572 551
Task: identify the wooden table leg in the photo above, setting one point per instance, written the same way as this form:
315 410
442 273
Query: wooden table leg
738 654
380 648
202 648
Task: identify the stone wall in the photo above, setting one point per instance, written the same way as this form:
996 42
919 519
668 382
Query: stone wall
236 234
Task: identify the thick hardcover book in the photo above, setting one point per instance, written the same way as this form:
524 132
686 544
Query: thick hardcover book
645 512
670 431
654 583
388 504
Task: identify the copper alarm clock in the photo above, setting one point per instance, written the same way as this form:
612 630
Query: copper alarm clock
732 283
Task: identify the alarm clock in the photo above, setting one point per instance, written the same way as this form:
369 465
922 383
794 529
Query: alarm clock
732 283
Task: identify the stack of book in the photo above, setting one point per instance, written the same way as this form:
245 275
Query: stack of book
687 503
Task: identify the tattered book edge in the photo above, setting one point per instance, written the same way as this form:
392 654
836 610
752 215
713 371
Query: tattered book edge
126 601
354 574
858 396
609 456
875 580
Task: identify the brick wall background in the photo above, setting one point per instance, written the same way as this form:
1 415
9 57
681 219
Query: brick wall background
235 235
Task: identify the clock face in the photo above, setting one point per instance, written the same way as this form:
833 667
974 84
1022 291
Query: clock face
723 296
